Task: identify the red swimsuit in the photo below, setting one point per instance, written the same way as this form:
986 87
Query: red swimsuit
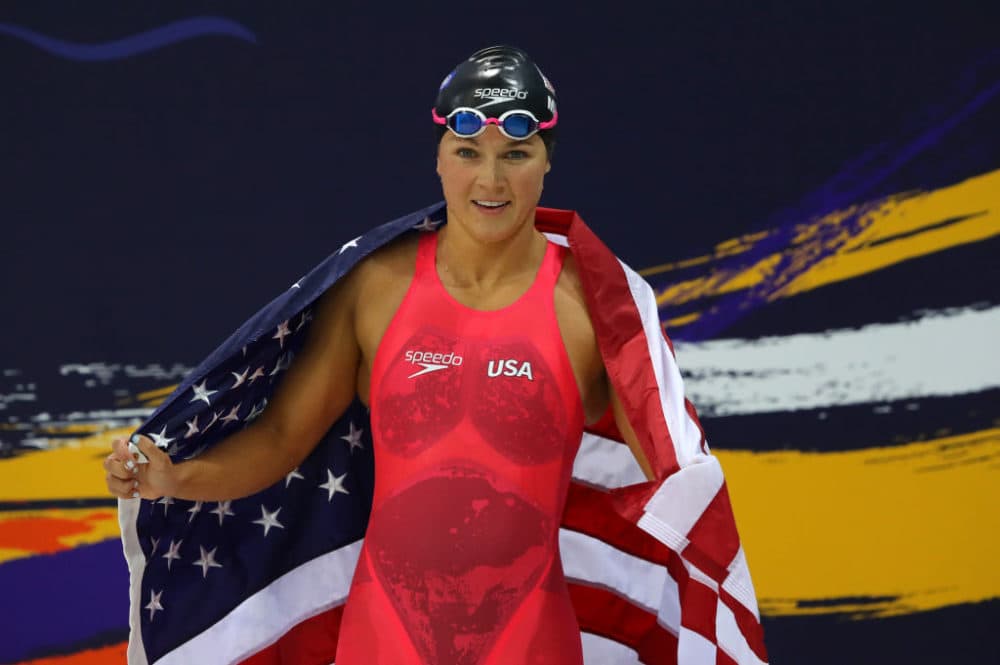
476 419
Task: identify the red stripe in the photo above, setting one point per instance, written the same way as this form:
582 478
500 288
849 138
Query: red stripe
714 541
592 511
618 327
694 416
312 642
748 624
698 607
609 615
722 659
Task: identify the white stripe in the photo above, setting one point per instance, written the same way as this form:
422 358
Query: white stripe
304 592
644 584
693 649
128 510
739 585
681 499
943 353
606 463
731 640
683 430
598 650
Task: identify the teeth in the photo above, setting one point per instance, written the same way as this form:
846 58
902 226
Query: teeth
491 204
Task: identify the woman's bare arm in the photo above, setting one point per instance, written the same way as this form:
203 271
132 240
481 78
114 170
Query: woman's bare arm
315 391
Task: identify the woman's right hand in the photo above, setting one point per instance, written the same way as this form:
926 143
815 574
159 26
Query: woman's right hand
126 478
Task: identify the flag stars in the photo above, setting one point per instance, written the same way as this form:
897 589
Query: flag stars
255 411
282 333
306 318
154 605
201 392
194 510
240 377
215 418
207 561
427 225
284 362
161 440
257 374
353 437
167 501
222 509
334 484
192 426
231 416
292 476
349 244
269 520
173 552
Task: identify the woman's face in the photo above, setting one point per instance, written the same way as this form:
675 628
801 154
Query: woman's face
491 183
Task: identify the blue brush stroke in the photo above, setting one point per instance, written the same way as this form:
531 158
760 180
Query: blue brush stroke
858 180
143 42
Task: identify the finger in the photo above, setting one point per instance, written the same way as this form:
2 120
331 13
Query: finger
126 489
119 469
149 449
119 449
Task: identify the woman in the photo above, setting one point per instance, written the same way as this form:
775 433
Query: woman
475 352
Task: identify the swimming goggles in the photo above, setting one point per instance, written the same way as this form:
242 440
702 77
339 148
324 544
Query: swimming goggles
514 124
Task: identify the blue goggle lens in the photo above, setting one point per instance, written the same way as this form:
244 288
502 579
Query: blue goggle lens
465 123
518 125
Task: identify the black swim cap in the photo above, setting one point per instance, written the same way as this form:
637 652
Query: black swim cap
498 79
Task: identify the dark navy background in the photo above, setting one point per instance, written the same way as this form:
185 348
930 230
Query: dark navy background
129 185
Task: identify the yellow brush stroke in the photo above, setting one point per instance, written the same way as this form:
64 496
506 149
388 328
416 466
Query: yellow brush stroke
730 247
158 393
72 471
917 522
72 428
978 198
100 523
872 249
681 320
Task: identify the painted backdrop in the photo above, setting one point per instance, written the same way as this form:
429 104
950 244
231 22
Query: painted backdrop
815 196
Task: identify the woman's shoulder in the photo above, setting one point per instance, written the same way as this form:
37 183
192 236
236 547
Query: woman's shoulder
392 261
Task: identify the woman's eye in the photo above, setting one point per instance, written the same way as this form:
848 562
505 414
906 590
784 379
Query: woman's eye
517 154
466 153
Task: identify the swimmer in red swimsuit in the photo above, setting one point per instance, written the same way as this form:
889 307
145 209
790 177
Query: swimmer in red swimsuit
476 419
473 347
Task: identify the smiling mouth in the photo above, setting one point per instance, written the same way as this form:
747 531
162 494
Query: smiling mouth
490 205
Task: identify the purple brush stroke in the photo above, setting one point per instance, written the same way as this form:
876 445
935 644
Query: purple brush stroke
53 602
855 182
143 42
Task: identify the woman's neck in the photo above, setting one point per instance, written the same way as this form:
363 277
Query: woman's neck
472 263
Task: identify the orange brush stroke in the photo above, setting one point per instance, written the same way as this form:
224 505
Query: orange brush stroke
44 535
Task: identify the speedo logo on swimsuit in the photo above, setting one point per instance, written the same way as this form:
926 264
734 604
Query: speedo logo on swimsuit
494 93
432 362
509 368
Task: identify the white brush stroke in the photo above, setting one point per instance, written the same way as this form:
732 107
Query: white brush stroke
942 353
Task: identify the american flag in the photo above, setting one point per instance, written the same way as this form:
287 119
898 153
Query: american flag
655 568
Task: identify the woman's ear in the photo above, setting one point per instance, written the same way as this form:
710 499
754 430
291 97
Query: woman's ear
548 166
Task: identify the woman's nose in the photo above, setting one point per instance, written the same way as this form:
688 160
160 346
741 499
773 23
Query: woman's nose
491 174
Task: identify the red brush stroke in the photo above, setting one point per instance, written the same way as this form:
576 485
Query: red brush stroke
104 656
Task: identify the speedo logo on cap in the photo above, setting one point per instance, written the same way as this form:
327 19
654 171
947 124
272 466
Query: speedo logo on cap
502 93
